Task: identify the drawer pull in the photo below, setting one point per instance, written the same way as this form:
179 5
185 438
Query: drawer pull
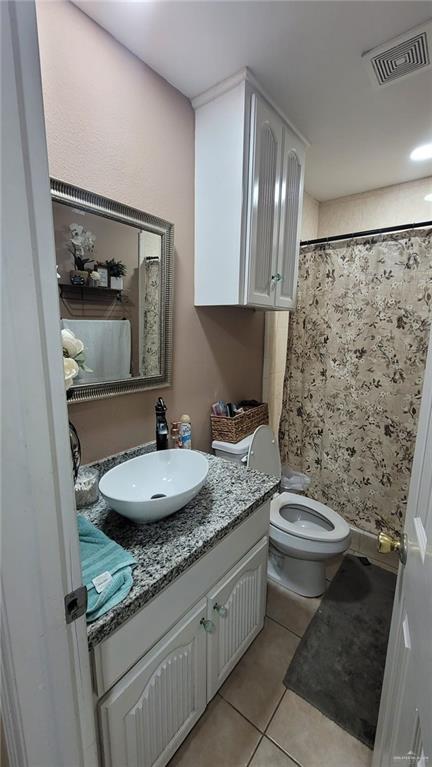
208 626
221 610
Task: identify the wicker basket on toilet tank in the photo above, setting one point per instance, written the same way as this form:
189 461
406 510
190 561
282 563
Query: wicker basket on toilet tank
226 429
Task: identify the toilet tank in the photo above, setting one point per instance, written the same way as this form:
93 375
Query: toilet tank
232 451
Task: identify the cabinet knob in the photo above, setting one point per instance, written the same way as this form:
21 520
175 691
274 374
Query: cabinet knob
208 626
221 610
276 277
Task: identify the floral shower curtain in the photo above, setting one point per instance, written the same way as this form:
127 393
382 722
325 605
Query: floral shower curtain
356 354
150 351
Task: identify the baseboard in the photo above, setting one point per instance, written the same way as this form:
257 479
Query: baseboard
365 543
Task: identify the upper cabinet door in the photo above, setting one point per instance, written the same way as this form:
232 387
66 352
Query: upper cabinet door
265 167
291 193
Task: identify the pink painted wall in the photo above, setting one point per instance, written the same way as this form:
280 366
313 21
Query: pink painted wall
116 128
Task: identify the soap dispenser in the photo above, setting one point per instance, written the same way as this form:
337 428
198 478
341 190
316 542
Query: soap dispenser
161 425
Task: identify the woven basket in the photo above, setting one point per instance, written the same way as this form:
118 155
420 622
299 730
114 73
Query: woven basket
232 430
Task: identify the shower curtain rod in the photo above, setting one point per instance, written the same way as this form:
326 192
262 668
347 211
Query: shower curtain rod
366 232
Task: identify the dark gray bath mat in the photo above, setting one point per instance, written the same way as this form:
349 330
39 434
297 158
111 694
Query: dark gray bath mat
339 663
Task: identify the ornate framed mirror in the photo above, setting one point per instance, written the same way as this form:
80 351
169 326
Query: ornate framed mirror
115 274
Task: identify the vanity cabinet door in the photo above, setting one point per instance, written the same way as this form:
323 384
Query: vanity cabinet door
265 170
236 607
290 221
149 712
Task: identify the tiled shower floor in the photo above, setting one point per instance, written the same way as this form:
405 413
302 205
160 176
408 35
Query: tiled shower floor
254 721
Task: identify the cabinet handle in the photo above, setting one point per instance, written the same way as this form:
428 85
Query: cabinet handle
221 610
208 626
276 277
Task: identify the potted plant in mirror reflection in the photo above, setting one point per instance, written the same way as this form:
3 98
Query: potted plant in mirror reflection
117 271
94 278
81 245
74 357
102 270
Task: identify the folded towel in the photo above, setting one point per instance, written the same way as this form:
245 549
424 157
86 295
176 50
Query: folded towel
106 569
108 348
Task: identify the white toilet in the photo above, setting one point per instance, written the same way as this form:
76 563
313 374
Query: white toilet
303 533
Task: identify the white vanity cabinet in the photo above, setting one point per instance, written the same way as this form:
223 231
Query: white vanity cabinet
236 607
249 169
150 711
203 622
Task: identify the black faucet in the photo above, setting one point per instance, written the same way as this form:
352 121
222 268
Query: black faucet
161 425
75 447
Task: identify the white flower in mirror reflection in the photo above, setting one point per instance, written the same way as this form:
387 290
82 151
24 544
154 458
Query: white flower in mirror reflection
71 343
71 370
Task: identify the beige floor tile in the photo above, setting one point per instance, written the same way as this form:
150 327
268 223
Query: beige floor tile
391 566
367 546
355 540
384 563
354 552
255 686
290 609
332 567
311 739
269 755
221 738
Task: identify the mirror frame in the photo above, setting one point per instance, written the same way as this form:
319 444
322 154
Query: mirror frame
116 211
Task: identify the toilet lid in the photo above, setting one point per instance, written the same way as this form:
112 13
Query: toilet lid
264 452
315 532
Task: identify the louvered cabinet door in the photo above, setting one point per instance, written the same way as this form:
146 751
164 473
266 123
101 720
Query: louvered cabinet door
146 715
236 608
290 221
265 169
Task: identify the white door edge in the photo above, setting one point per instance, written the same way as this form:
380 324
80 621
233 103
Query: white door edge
47 707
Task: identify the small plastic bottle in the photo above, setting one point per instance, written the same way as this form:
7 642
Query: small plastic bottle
186 432
175 435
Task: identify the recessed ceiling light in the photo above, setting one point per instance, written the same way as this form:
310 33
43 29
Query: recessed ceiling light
423 152
428 197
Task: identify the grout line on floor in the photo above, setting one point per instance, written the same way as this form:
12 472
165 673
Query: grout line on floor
255 750
290 631
299 636
241 714
285 753
274 712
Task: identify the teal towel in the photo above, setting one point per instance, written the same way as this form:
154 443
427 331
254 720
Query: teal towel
99 554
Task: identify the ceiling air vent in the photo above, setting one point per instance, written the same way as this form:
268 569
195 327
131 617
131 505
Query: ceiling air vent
401 57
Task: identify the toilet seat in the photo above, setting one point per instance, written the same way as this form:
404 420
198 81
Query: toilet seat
340 529
264 456
303 537
263 452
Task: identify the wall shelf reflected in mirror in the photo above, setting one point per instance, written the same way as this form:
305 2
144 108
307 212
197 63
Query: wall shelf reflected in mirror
79 292
123 313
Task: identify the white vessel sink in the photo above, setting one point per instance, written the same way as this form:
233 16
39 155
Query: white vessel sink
155 485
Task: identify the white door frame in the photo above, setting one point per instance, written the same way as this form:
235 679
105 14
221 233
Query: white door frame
47 708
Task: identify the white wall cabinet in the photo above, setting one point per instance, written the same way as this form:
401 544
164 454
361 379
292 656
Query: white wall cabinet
150 710
249 170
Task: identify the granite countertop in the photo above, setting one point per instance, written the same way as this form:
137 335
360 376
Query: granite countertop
165 549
